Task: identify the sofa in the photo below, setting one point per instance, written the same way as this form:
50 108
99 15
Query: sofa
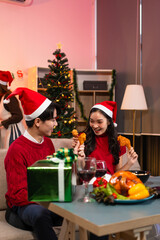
7 231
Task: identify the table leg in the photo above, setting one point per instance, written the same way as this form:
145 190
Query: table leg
83 234
67 231
141 233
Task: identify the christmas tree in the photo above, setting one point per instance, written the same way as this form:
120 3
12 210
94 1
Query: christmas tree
59 89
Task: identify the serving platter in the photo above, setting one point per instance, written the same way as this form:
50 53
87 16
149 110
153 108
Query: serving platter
132 201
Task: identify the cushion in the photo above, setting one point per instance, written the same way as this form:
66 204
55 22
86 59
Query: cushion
9 232
62 142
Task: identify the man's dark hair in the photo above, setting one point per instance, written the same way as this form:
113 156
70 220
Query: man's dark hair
47 114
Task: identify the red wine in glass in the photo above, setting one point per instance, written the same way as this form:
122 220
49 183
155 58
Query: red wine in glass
101 168
86 169
86 175
100 172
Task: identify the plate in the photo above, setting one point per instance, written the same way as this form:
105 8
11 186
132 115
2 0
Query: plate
132 201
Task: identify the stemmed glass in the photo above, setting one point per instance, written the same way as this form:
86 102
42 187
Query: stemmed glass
86 169
101 168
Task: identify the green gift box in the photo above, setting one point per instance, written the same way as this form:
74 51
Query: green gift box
50 181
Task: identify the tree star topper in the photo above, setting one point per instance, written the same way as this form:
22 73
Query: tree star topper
59 45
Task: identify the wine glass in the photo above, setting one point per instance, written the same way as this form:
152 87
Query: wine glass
101 168
86 169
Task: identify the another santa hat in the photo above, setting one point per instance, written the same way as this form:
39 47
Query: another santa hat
33 103
110 108
6 78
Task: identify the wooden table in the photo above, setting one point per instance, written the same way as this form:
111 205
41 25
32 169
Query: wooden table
103 219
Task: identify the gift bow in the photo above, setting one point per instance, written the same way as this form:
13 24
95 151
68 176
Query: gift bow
65 154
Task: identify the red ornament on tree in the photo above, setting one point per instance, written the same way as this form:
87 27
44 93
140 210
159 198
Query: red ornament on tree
59 133
58 55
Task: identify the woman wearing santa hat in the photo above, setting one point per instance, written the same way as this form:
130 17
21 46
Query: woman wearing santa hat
101 142
101 138
11 124
40 115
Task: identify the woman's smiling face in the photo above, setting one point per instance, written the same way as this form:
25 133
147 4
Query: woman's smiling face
98 122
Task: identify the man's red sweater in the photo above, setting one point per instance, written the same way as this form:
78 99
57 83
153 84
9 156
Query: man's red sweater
22 154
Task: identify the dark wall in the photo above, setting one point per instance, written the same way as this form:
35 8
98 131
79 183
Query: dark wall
151 65
116 48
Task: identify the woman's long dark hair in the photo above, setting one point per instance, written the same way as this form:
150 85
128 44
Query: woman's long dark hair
90 142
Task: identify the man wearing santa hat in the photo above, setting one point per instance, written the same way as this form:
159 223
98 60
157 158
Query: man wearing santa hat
40 115
11 124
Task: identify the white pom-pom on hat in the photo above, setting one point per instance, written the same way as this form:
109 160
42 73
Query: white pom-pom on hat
5 101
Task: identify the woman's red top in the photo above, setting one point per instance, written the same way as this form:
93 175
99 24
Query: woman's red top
102 152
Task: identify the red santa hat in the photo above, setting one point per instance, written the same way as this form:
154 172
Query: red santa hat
110 108
6 78
33 103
